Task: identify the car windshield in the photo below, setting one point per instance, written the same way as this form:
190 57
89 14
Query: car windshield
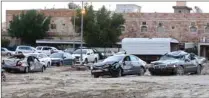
56 55
168 57
79 51
113 58
38 48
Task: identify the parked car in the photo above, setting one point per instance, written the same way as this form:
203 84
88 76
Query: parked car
119 65
24 49
46 60
46 50
69 50
5 51
62 58
177 62
22 63
88 55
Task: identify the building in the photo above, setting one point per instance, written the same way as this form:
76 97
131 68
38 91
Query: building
60 27
127 8
181 24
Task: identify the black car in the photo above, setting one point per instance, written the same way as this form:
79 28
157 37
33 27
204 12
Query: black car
62 58
177 62
119 65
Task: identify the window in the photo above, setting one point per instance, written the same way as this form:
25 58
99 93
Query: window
53 26
144 23
133 58
207 28
46 48
2 49
160 28
179 11
173 27
193 27
143 28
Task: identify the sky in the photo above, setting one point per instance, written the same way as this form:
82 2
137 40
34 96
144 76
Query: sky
149 7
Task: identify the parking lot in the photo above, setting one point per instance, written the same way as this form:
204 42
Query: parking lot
65 82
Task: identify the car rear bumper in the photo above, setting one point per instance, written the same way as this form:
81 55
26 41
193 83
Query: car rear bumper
166 70
14 68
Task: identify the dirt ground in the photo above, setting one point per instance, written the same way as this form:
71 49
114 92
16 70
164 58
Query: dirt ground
60 82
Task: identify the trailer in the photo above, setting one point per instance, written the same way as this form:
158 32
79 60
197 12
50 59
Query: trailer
149 49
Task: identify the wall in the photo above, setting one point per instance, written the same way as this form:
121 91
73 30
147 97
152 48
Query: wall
180 22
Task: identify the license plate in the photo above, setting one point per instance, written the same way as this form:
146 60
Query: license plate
96 70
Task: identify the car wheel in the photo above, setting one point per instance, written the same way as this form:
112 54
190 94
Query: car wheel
60 63
198 70
48 64
141 71
3 77
9 54
153 74
179 70
86 61
118 73
96 76
26 69
95 61
42 69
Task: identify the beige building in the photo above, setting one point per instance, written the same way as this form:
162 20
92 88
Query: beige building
60 27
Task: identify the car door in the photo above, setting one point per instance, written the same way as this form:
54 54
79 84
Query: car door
65 58
127 65
194 63
135 64
42 59
92 55
37 64
187 63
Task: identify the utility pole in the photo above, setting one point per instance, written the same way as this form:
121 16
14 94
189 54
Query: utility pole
74 14
82 12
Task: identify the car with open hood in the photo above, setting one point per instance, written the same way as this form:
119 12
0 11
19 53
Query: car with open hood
177 62
119 65
22 63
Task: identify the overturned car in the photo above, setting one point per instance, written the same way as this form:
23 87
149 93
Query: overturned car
177 62
119 65
22 63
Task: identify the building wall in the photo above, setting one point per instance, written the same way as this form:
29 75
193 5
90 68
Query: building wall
175 25
60 17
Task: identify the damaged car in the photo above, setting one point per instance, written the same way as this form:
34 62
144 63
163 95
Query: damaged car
22 63
119 65
178 63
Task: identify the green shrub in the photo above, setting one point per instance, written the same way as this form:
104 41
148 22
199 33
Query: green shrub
5 42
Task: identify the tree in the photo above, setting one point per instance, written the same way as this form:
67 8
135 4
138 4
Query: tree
29 26
101 28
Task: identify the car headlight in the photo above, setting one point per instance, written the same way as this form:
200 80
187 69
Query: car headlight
171 65
106 65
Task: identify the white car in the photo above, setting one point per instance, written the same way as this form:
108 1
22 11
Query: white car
24 49
46 50
5 51
88 55
44 59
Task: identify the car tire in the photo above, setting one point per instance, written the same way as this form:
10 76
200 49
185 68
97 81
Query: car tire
26 69
199 69
118 73
180 70
153 73
86 61
9 54
141 71
95 60
48 64
96 76
3 77
60 63
42 69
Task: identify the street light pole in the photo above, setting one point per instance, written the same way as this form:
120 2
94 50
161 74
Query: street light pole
82 33
74 14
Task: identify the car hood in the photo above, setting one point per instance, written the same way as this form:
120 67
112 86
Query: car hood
104 63
166 62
